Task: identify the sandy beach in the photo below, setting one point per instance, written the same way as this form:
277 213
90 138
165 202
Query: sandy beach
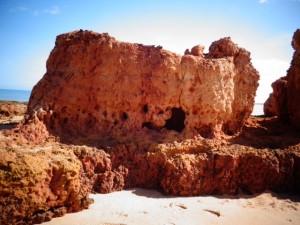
148 207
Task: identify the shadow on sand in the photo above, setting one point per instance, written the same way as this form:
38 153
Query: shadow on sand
151 193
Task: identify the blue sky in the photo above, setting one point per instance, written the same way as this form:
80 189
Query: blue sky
264 27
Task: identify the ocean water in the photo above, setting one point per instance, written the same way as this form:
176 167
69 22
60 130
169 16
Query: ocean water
23 96
14 95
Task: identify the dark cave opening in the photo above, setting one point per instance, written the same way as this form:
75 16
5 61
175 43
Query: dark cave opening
124 116
149 125
176 122
145 108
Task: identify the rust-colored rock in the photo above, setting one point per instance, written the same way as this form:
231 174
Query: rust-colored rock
97 87
284 101
39 183
276 104
110 115
197 50
11 111
43 179
293 85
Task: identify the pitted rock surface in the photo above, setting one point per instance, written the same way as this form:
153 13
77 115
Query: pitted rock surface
293 86
276 104
99 92
98 87
285 99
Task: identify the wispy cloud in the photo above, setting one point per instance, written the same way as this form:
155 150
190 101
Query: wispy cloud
54 10
18 9
22 8
262 1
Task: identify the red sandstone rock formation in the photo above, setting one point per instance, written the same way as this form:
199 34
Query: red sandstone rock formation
9 110
98 87
293 86
285 99
39 183
276 104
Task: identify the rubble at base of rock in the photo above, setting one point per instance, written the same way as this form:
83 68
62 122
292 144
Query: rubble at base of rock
52 178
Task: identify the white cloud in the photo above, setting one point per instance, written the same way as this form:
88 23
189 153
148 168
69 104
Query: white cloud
22 8
18 9
263 1
53 10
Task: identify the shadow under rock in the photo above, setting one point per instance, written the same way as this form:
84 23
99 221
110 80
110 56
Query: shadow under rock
267 132
151 193
8 126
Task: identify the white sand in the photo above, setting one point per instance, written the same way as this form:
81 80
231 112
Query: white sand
145 207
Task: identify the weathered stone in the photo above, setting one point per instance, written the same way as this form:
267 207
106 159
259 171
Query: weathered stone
285 99
98 87
197 50
98 92
39 181
10 109
293 85
36 182
276 104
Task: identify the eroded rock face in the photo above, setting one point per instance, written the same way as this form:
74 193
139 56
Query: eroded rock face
284 101
10 110
41 178
37 184
276 104
101 89
98 87
293 86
